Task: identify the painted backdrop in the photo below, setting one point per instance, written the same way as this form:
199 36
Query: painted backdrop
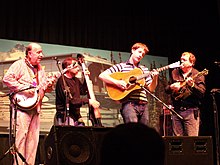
96 60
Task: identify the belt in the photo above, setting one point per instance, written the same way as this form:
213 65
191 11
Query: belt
140 102
185 108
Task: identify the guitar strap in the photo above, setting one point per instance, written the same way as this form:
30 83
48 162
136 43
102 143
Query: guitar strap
37 77
33 72
187 76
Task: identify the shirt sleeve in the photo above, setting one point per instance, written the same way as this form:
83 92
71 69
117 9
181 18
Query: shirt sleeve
16 77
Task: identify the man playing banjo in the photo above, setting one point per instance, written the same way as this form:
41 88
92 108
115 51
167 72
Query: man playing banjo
27 73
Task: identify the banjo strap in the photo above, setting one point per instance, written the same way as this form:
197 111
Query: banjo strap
33 72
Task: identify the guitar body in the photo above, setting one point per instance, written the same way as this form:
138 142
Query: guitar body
134 79
26 102
183 93
116 93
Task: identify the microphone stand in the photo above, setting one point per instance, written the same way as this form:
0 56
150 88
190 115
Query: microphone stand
67 94
13 149
213 92
165 105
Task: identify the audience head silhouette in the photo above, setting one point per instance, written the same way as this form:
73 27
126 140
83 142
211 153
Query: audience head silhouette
132 143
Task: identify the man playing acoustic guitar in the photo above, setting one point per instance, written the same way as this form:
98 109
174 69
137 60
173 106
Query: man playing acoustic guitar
187 88
134 105
28 74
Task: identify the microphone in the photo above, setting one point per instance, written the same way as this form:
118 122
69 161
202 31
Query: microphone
217 62
80 56
56 59
215 90
69 67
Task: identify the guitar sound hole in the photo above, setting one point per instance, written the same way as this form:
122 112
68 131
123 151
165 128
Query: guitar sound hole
132 79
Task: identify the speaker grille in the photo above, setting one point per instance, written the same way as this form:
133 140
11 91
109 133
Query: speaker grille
76 147
188 150
68 145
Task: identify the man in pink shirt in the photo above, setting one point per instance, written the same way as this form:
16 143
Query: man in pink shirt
23 74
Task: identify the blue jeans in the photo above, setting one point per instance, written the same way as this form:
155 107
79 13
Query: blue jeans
134 112
189 126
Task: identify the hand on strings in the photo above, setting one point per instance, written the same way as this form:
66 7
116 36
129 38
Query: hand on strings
175 86
121 84
51 80
86 72
29 92
190 81
94 103
154 73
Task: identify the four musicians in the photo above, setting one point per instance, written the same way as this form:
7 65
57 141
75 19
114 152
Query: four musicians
187 88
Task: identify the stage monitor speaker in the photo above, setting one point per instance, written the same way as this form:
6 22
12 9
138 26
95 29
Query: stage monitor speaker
189 150
68 145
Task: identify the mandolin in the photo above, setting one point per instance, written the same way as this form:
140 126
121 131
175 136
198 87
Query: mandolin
134 79
184 92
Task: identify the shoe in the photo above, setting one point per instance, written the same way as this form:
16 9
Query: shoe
79 122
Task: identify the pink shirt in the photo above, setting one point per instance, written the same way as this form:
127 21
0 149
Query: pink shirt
20 76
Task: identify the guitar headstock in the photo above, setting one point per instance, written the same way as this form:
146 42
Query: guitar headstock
204 72
175 65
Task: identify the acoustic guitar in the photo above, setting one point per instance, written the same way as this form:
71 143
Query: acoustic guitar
134 79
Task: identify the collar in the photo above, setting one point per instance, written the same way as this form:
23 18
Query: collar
129 63
36 67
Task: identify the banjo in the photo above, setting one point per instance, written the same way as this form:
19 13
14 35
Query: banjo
25 101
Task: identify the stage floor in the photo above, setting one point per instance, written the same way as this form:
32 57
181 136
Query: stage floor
179 150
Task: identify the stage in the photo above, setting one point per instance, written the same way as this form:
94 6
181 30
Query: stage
67 145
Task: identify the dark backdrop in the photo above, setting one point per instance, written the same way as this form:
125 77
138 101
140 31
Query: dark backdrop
168 28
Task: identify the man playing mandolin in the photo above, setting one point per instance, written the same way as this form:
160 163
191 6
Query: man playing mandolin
22 75
187 88
134 105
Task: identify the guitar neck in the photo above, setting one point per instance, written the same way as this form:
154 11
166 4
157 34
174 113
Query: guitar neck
196 75
149 73
162 68
204 72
